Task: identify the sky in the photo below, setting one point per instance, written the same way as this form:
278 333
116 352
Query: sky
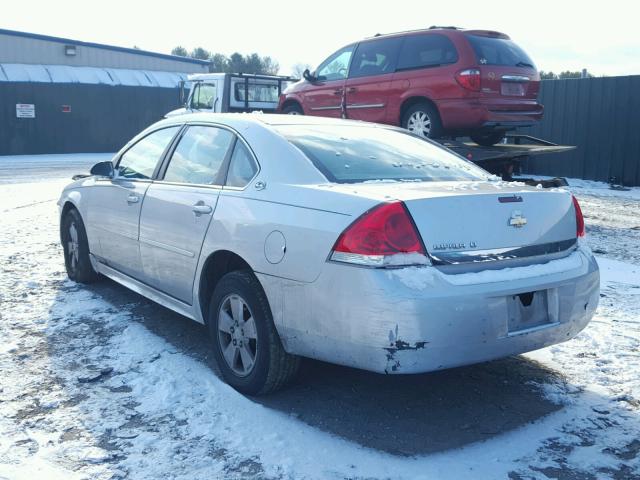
602 37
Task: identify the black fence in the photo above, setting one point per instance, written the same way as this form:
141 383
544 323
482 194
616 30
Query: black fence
601 116
73 118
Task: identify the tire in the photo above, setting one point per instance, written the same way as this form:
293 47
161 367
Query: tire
423 119
76 248
293 109
487 139
268 367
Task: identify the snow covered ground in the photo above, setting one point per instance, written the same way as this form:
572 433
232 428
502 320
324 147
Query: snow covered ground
96 382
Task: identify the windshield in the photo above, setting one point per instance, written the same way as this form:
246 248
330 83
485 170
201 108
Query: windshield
354 154
498 51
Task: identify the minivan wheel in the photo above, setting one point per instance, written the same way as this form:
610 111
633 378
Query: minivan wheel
487 139
76 248
423 119
293 109
246 345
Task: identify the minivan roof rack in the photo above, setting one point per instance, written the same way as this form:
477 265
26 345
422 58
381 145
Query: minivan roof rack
435 27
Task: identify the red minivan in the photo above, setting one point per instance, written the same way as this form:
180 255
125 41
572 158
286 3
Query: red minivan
442 81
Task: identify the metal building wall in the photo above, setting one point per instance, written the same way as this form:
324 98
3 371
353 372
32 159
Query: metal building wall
102 118
22 48
601 116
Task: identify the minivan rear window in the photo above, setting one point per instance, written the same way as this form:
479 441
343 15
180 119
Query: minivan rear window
498 51
355 154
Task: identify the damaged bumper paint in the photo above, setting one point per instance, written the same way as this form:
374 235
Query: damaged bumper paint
419 319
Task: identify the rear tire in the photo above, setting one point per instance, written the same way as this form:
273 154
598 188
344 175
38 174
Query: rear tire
76 248
293 109
246 344
423 120
487 139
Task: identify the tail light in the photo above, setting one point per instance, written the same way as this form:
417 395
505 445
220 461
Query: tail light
381 233
579 218
469 79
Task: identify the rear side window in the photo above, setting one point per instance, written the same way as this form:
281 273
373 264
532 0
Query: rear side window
256 91
199 156
353 154
140 160
242 167
375 57
427 50
498 51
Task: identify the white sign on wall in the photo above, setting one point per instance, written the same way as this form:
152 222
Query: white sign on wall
25 110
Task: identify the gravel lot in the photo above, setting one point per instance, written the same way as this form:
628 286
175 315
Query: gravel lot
97 382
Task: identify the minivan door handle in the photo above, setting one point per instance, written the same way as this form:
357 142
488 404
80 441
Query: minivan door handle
132 199
352 90
200 208
338 91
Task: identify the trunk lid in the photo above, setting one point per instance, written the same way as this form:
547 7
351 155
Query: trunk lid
480 221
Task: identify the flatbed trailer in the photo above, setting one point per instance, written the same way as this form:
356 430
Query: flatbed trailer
504 159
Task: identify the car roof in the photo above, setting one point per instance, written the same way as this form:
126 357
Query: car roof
239 120
448 30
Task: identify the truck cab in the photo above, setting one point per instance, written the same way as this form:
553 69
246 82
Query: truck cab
230 92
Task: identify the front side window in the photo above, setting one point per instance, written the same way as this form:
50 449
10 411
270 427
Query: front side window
354 154
375 57
426 50
141 160
336 66
498 51
204 95
242 167
199 156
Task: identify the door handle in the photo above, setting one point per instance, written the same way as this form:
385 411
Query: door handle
133 199
200 208
352 90
338 91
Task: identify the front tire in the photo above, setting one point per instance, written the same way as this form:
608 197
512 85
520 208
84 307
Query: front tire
423 119
76 248
246 345
293 109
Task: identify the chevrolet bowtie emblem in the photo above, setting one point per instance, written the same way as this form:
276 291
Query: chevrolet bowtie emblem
517 220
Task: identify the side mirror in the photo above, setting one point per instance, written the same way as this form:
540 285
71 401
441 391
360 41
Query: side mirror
103 169
308 76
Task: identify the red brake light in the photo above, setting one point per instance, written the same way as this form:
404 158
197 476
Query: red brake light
469 79
385 230
579 218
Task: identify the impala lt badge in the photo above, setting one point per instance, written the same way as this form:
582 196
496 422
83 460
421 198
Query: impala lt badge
517 220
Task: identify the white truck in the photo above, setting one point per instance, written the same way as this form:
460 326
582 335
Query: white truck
230 92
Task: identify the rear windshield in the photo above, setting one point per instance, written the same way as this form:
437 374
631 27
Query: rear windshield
354 154
498 51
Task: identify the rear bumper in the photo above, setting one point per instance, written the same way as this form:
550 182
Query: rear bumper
466 115
413 320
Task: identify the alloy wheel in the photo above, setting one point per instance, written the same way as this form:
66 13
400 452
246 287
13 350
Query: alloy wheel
237 335
73 249
419 123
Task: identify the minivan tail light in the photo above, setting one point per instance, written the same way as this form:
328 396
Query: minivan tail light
579 217
469 79
384 235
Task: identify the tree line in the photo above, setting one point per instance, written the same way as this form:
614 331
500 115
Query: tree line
234 63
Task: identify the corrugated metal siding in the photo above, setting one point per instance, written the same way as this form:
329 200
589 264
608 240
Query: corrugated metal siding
16 49
102 118
601 116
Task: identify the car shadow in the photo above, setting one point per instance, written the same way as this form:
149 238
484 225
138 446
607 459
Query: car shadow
398 414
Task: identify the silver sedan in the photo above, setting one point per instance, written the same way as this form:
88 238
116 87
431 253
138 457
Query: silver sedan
348 242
